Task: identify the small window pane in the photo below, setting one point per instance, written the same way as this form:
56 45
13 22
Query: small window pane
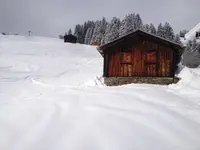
126 57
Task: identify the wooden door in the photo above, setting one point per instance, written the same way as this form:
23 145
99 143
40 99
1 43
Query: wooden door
151 70
126 64
150 62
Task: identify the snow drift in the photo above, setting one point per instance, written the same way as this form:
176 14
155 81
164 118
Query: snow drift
52 98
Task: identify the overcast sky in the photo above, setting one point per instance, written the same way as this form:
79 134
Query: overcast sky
53 17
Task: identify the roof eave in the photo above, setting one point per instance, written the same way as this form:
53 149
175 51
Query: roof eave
102 47
100 51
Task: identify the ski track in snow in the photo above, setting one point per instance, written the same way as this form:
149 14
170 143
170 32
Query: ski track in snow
52 98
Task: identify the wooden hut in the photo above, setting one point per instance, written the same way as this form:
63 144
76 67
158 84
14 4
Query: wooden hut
70 38
140 57
95 44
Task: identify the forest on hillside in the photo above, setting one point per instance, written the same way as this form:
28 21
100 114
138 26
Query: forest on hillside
104 31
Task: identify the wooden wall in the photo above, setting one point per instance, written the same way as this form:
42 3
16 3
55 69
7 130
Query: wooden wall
139 60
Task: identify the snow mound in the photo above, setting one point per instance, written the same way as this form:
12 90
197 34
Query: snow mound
190 77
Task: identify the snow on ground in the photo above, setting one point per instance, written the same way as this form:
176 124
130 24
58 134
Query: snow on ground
52 98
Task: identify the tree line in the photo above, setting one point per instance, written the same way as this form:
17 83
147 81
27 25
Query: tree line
104 31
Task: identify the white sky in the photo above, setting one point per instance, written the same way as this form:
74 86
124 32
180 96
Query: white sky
53 17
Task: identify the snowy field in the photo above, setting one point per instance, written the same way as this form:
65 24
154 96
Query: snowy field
52 98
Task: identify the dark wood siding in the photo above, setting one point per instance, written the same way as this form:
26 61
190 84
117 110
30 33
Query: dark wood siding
165 61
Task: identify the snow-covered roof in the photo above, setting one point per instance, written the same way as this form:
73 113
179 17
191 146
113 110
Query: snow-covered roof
192 33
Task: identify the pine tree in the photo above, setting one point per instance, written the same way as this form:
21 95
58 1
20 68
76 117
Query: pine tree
160 30
85 28
105 38
134 24
168 32
191 56
122 29
103 25
127 25
99 30
138 22
78 32
152 29
89 27
69 32
61 37
194 46
112 31
88 36
146 28
183 33
96 37
177 39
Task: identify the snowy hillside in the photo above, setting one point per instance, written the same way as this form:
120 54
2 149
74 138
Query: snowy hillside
52 98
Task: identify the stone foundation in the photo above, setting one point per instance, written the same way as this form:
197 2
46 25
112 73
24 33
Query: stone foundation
114 81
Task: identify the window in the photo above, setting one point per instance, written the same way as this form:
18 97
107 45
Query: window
197 34
126 55
151 57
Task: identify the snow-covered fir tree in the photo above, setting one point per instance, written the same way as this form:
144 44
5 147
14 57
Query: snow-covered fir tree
97 36
103 25
69 32
85 28
78 32
106 35
168 32
88 36
146 28
177 39
149 28
152 29
99 30
88 31
183 33
102 32
112 31
138 22
160 31
81 30
127 25
191 55
122 29
194 46
133 16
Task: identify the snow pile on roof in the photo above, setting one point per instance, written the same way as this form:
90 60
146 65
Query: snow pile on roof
192 33
52 97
